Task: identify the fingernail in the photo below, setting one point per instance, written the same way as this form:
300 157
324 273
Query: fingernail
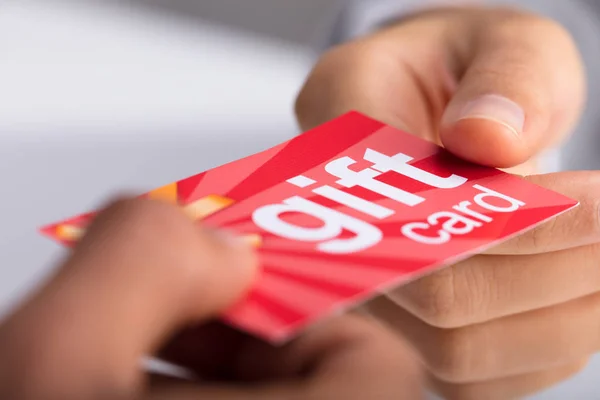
497 109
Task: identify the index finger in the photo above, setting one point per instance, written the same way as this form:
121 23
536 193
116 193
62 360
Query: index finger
577 227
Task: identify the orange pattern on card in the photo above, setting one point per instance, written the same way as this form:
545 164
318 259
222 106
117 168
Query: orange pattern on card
206 206
196 210
69 233
166 193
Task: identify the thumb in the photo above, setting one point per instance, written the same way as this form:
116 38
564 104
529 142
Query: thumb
522 90
142 271
494 86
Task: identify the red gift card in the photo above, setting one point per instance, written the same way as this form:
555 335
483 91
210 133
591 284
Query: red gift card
346 211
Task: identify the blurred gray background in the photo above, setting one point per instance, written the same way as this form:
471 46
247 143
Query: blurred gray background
101 96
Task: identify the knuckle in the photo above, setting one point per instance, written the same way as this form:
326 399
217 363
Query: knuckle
516 20
320 86
476 391
579 226
371 58
453 360
342 80
589 225
548 28
514 23
433 299
582 225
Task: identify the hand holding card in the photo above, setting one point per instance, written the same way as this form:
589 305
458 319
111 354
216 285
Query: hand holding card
346 211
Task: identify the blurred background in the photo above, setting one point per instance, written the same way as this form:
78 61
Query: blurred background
101 96
98 97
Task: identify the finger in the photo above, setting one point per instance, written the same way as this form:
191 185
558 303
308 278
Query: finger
513 96
421 75
484 288
397 76
289 391
505 347
160 387
574 228
243 358
351 77
194 349
516 387
348 357
142 271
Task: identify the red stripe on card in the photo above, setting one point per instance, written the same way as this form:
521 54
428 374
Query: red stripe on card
391 263
322 285
307 151
280 311
186 187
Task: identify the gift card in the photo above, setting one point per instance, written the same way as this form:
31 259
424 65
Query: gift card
344 212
